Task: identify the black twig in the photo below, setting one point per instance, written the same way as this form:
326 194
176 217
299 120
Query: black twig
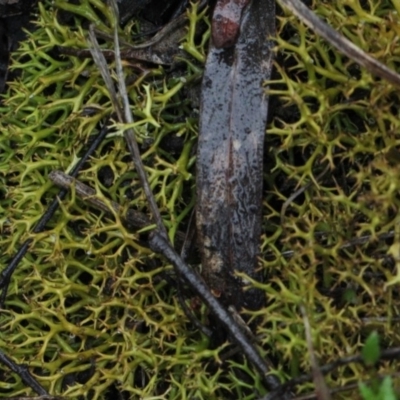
160 245
6 273
359 241
192 318
300 191
132 218
159 242
24 374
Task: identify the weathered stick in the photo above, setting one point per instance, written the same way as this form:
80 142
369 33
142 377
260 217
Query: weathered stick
136 219
159 241
160 244
342 44
229 163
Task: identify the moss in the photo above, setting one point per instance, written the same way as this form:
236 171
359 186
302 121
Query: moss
89 293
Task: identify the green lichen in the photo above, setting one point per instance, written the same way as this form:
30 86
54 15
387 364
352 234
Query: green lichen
90 297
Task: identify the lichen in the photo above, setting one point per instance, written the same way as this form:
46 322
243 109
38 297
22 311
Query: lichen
90 297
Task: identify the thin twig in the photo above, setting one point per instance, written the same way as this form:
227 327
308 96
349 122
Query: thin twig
143 56
345 388
22 371
350 243
190 236
129 134
379 320
7 272
124 113
158 37
299 192
37 398
136 219
133 219
321 388
101 63
342 44
192 318
159 244
389 354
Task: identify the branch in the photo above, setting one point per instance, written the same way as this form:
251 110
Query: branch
7 272
123 112
159 244
342 44
24 374
389 354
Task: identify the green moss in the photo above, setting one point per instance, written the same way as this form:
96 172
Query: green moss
89 292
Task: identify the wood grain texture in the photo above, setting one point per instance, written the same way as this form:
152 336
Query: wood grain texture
230 156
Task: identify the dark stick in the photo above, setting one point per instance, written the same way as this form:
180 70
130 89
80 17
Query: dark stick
140 55
7 272
160 245
350 243
24 374
159 239
229 164
133 218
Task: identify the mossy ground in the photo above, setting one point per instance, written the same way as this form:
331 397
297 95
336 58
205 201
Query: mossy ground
91 297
